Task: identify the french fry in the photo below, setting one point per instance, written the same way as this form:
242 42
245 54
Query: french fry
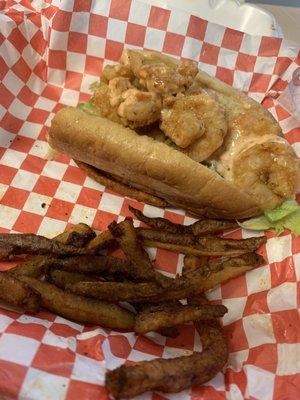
35 267
97 265
144 271
206 265
218 277
103 241
63 278
194 263
199 246
79 235
81 309
168 315
17 293
14 244
171 332
110 182
199 228
159 223
173 374
152 293
118 291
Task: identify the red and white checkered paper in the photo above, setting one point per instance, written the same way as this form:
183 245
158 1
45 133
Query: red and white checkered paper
50 53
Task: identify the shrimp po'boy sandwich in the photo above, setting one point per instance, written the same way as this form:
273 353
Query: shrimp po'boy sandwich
163 127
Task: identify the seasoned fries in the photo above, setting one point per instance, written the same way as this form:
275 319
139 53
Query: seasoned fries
173 374
169 315
199 246
80 309
63 278
18 294
103 241
199 228
81 284
79 235
13 244
205 266
126 236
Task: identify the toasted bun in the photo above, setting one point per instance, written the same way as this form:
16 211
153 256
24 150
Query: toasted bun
147 164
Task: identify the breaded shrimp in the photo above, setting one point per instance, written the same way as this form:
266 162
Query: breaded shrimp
102 104
116 88
269 171
116 71
254 157
196 123
139 108
131 107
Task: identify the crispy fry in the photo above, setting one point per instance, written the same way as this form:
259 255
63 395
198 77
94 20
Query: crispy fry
62 278
159 223
165 316
27 243
209 226
216 264
205 265
171 332
152 293
199 228
203 246
79 235
35 267
103 241
110 182
193 262
17 293
117 291
97 265
175 374
218 277
126 236
80 309
100 265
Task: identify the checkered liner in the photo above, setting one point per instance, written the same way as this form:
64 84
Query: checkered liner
50 53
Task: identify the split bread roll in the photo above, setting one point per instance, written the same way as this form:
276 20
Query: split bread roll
147 164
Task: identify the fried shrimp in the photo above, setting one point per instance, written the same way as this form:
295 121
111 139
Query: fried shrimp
182 124
116 88
102 104
158 73
196 123
163 79
139 108
269 171
116 71
122 103
255 157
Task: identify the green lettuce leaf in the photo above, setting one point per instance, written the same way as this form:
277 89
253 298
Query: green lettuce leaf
256 224
87 107
286 216
292 222
285 209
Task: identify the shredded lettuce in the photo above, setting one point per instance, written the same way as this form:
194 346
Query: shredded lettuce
87 107
286 216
